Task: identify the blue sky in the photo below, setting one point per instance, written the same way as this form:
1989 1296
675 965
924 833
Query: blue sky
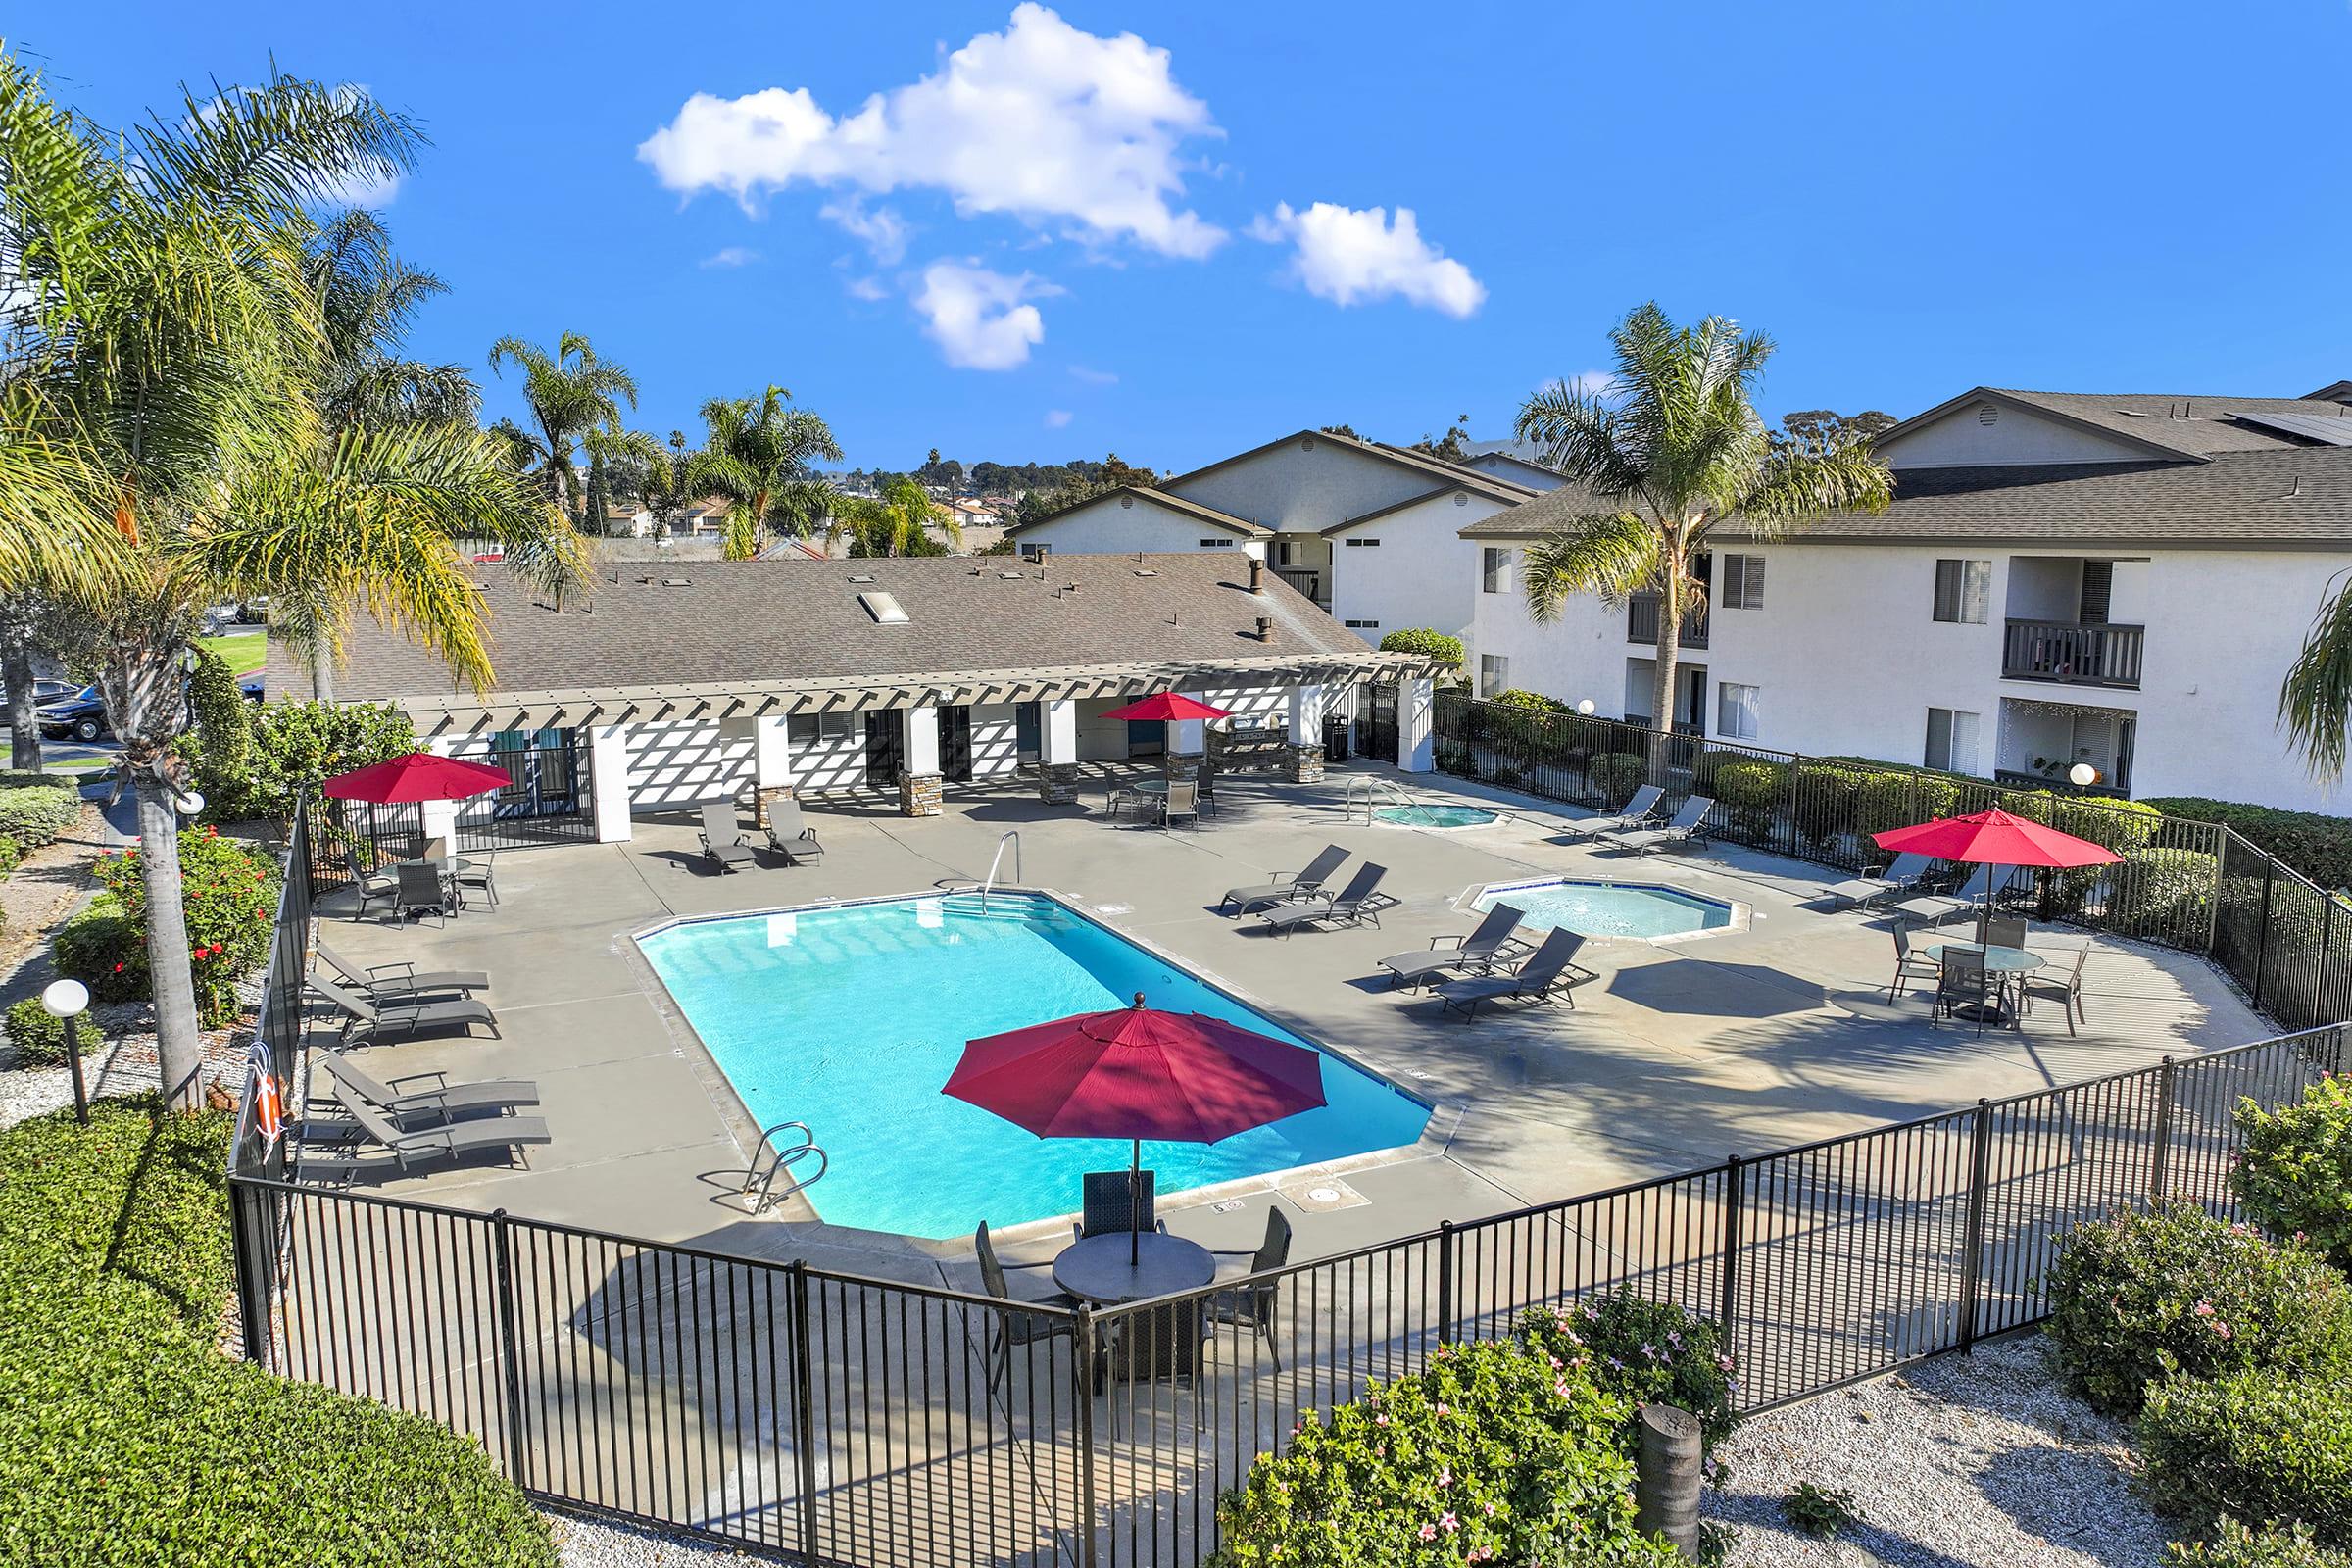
1049 240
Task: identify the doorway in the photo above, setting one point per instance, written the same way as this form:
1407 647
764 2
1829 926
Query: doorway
885 747
956 745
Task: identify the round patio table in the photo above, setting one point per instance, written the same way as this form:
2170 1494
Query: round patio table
1097 1268
1997 960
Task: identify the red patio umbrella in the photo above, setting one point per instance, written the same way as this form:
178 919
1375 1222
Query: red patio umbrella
1136 1073
418 776
1994 838
1167 706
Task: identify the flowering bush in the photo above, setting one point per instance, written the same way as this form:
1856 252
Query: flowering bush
2265 1445
2137 1297
2295 1175
229 893
1501 1454
1646 1353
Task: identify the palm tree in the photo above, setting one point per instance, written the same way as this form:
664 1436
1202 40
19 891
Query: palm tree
571 393
759 456
1669 451
173 354
2315 699
897 522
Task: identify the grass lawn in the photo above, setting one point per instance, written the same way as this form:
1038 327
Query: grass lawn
245 651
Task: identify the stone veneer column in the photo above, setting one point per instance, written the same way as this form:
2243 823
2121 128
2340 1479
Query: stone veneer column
1302 757
1058 750
919 785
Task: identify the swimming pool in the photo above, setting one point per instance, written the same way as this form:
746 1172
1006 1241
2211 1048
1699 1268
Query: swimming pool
850 1017
1436 816
1640 910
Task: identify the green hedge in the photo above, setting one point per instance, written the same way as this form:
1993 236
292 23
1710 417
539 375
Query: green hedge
2295 1173
35 808
1421 640
1617 774
2236 1546
127 1437
2316 845
39 1038
2260 1444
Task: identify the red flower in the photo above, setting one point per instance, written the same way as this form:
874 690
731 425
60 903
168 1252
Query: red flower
117 968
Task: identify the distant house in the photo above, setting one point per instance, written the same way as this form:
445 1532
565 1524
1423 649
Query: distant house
1514 460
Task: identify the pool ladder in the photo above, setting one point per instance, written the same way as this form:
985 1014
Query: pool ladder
774 1164
987 885
1369 790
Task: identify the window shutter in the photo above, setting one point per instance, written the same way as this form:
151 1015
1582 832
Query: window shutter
1977 592
1964 743
1751 586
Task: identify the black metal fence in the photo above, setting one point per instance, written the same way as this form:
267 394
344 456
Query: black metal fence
2195 886
278 1042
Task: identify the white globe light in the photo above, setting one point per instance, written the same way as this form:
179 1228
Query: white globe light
190 804
2084 774
65 999
1586 708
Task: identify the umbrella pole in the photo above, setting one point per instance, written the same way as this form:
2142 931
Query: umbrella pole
1135 1204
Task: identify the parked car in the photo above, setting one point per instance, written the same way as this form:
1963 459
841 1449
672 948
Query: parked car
80 717
49 690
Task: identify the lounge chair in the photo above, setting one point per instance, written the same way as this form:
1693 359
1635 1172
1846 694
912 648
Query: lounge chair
1551 970
419 887
1359 901
1281 889
722 841
1867 889
365 1020
1448 955
790 835
443 1101
1105 1207
1933 908
1252 1306
384 980
1688 825
1635 812
413 1146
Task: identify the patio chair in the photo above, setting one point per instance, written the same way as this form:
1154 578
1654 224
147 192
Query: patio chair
1966 983
1252 1306
1358 902
367 884
790 835
380 981
479 874
419 887
1281 889
1867 889
1184 799
2002 931
1636 811
365 1021
1686 826
2065 988
1548 971
1933 908
422 1144
721 840
1008 1329
1106 1209
443 1101
1447 955
1910 967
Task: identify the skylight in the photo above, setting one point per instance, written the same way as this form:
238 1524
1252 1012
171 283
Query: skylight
884 608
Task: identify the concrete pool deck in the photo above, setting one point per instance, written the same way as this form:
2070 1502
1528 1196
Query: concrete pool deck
1680 1054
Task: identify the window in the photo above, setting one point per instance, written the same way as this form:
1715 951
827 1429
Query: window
1364 625
820 729
1367 544
1497 566
1743 582
1494 674
1962 590
1217 544
1951 740
1735 717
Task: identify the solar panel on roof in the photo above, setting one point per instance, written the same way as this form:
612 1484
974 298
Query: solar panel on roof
2330 429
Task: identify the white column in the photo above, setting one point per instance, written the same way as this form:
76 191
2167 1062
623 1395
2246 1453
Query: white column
772 752
608 775
1057 731
1306 716
922 741
1189 737
1416 711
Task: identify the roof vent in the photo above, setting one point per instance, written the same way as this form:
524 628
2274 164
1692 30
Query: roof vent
1307 445
1462 498
883 608
1986 413
1009 577
1126 501
1265 629
678 582
861 576
1145 571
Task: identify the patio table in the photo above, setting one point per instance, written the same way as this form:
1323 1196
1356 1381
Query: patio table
1160 1343
1998 960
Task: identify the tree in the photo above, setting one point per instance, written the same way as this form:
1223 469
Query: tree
571 393
174 348
759 456
1823 428
1347 430
2315 699
1450 446
897 522
1669 451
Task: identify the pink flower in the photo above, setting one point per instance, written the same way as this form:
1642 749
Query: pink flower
1489 1510
2204 1309
2222 1329
1442 1409
1445 1476
1429 1532
1381 1420
1723 1364
1448 1521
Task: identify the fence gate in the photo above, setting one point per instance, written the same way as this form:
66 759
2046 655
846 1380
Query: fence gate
1376 722
548 798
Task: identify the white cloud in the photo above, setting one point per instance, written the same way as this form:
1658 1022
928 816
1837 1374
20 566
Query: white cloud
869 289
883 231
1094 377
731 255
981 319
373 194
1351 256
1592 383
1055 419
1042 122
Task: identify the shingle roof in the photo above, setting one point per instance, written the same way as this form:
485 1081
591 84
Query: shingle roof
1158 497
2283 498
777 619
2188 427
1435 469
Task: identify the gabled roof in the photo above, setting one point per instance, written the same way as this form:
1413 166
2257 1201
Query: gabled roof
1419 463
1194 509
2184 428
1394 507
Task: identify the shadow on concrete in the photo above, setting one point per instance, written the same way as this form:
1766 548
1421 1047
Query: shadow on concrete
1696 986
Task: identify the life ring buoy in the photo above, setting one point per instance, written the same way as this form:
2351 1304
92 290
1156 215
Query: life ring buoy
268 1110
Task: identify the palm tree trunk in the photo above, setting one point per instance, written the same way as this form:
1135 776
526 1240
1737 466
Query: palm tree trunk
322 670
15 670
1664 669
178 1048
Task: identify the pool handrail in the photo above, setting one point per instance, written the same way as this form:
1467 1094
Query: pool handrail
1015 835
778 1161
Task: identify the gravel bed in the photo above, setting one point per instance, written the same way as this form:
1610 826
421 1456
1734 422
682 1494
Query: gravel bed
124 1063
1963 1460
592 1543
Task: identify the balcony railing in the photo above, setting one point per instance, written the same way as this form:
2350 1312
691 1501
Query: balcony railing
2075 653
1310 583
1641 623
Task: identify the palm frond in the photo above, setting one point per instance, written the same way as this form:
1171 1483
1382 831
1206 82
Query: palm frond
1609 553
2315 699
1802 483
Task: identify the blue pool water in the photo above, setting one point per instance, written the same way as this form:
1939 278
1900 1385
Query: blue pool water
1436 816
1610 908
851 1018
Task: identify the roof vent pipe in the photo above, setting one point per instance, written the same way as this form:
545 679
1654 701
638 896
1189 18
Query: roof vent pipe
1265 629
1257 576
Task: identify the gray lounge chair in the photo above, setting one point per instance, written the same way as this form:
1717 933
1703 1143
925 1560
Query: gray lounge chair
1864 891
1359 901
722 841
421 1145
366 1020
1933 908
1688 825
790 835
1281 889
1636 811
1494 938
385 980
443 1101
1548 971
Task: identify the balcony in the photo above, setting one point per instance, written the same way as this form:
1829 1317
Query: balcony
2073 654
1310 583
1641 623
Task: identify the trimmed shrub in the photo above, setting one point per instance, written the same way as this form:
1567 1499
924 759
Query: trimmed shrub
295 744
2295 1173
39 1038
227 891
12 856
2137 1297
2161 889
1748 784
2234 1546
35 808
1825 801
2317 845
1493 1453
2264 1445
1617 774
1644 1352
1425 642
105 950
1884 801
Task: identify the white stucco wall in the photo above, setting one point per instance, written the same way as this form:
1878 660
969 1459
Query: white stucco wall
1306 486
674 766
1114 523
1961 439
996 736
1421 574
830 765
